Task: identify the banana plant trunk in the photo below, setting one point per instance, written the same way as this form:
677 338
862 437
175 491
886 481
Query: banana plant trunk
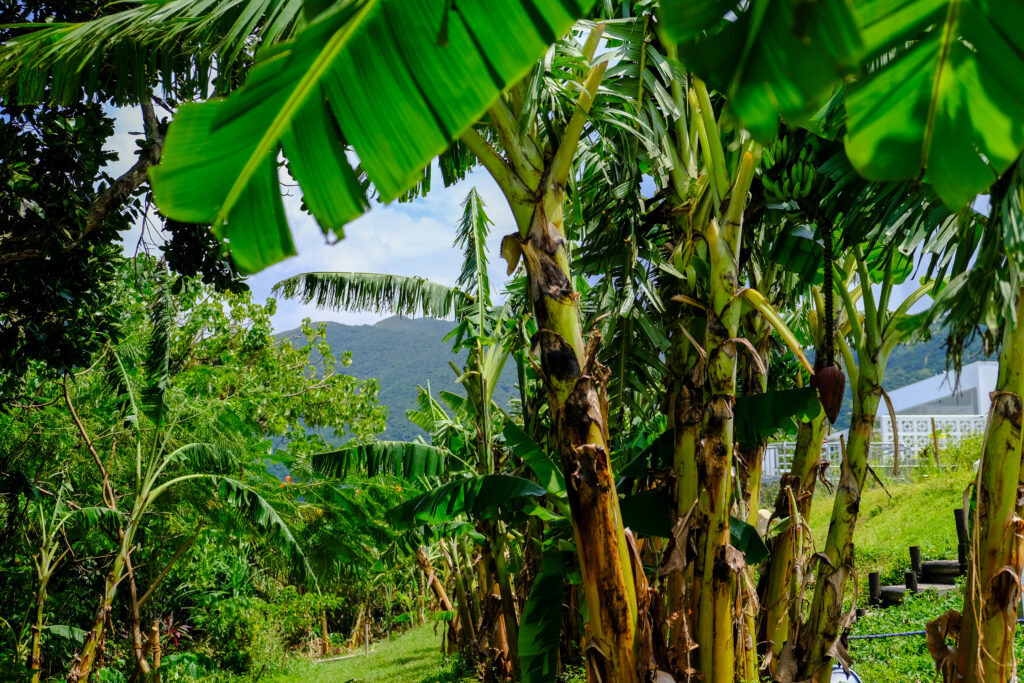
86 659
508 601
716 567
751 461
985 648
462 594
575 386
685 410
835 564
718 563
780 588
35 663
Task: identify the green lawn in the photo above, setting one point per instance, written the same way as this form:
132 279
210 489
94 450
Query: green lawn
411 657
920 513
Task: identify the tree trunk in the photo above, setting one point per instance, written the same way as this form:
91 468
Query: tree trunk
780 587
325 634
835 563
985 649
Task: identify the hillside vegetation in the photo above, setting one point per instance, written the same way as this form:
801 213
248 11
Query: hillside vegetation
401 353
920 513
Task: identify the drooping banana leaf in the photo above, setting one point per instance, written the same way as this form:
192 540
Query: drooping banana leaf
781 57
374 292
408 459
476 496
400 80
541 623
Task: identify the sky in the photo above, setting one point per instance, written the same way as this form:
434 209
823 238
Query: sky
406 239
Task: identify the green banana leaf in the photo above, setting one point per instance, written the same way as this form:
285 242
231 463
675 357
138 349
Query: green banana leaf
782 57
408 459
541 623
760 416
744 537
657 456
649 513
947 99
536 458
400 79
477 496
798 251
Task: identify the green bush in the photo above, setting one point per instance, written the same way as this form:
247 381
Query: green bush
185 666
242 635
249 633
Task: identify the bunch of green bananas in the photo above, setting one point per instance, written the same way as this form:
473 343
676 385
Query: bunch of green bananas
788 170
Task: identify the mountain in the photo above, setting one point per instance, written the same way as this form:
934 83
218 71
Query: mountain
911 363
402 353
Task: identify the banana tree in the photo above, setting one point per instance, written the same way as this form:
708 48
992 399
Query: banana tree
49 523
780 591
161 465
986 299
872 339
484 333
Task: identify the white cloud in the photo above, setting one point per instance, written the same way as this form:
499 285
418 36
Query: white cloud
404 239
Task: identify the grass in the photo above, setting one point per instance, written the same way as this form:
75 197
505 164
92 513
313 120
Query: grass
919 513
411 657
904 659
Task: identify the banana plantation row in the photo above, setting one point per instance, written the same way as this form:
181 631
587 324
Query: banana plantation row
724 213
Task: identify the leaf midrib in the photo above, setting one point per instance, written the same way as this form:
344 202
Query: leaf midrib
946 43
291 106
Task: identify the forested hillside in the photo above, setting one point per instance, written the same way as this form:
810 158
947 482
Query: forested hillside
402 353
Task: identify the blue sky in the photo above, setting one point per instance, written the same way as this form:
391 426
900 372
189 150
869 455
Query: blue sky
406 239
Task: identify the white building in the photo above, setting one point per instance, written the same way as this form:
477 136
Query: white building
937 408
940 395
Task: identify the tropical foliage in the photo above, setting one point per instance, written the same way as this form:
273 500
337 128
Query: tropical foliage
706 196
